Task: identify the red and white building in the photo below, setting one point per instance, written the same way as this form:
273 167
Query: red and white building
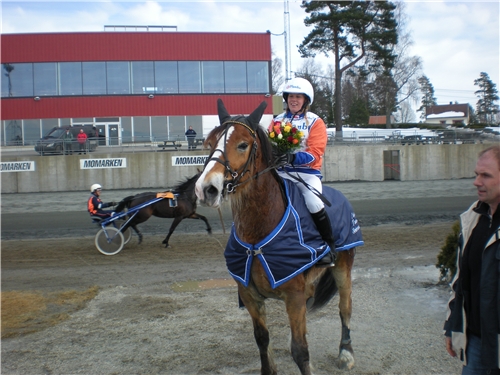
133 86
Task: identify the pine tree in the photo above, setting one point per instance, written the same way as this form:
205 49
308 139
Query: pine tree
350 31
428 99
487 94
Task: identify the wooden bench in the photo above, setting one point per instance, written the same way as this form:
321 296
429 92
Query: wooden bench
170 144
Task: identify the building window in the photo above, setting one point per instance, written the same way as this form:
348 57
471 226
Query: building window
143 78
126 123
118 77
48 124
159 128
18 81
70 78
166 80
257 77
213 76
94 78
32 131
142 132
45 79
189 77
136 77
235 74
176 127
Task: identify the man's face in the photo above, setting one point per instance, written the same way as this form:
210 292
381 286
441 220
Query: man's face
487 179
98 192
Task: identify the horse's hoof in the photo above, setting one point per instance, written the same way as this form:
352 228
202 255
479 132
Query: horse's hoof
345 360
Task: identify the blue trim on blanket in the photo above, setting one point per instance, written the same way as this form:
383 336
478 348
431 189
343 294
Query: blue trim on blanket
294 245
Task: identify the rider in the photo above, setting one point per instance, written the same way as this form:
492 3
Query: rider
95 205
307 160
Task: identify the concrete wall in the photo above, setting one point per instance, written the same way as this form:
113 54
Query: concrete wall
155 169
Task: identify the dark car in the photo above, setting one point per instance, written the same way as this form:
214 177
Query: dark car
413 140
52 142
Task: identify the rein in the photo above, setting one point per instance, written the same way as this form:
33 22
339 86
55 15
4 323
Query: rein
231 185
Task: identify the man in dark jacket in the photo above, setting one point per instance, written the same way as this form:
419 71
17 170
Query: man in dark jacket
190 135
95 205
472 326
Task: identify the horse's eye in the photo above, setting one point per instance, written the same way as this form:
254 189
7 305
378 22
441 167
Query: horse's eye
242 146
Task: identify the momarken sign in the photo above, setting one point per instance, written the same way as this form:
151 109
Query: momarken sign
103 163
17 166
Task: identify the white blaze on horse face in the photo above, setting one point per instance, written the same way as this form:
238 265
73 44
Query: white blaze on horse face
209 178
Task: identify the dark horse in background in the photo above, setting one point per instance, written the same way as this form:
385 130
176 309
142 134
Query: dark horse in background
240 166
184 209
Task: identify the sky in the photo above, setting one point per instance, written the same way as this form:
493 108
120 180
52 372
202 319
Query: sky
456 40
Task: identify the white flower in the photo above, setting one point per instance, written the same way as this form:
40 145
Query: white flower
280 136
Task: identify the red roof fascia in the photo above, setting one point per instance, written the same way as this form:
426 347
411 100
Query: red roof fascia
135 46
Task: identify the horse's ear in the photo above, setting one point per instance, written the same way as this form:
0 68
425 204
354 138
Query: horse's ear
222 111
256 115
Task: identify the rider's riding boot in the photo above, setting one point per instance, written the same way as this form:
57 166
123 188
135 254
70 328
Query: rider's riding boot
324 226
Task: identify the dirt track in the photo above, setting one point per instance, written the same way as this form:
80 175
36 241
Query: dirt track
160 311
174 311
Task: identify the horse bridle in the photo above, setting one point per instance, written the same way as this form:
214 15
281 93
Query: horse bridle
235 181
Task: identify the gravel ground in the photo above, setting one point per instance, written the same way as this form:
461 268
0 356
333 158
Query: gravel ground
174 311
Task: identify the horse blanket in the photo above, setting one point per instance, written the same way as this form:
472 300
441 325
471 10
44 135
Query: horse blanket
295 244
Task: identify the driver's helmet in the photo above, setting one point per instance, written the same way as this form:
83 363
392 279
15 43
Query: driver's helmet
299 86
95 187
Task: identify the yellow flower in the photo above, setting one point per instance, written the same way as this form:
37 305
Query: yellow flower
287 128
271 135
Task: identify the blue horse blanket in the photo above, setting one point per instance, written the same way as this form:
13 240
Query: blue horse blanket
295 244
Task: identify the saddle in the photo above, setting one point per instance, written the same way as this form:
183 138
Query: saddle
294 245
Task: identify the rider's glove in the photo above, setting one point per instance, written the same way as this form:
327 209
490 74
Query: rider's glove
283 159
113 204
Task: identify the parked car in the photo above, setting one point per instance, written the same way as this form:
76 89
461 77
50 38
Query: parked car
52 142
413 140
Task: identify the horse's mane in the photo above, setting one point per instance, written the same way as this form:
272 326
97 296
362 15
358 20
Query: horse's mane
187 185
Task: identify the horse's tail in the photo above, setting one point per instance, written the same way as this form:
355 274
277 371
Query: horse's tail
124 203
325 290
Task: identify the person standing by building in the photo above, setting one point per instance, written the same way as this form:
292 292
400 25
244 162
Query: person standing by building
68 142
472 327
82 141
190 135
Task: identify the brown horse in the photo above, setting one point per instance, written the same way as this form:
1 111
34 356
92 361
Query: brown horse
185 207
240 166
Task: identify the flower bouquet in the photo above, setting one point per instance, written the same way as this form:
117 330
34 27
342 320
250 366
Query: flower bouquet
285 137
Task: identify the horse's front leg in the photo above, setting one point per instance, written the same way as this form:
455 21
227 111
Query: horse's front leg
295 302
176 222
198 216
256 307
342 274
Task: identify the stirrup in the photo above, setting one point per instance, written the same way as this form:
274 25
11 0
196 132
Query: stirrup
327 261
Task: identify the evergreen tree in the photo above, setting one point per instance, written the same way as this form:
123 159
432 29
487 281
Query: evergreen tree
350 31
487 94
359 114
428 99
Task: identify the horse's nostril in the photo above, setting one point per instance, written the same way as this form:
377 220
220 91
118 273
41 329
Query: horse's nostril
211 191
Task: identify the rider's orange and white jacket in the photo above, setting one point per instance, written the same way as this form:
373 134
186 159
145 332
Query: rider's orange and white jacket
309 157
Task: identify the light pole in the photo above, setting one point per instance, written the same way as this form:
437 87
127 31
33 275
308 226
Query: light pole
286 33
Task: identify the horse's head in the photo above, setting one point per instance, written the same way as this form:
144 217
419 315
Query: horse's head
239 149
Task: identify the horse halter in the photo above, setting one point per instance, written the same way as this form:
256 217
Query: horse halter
230 185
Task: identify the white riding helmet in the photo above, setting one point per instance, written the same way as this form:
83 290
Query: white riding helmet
299 86
95 187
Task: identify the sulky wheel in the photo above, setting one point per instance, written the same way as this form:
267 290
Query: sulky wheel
109 241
